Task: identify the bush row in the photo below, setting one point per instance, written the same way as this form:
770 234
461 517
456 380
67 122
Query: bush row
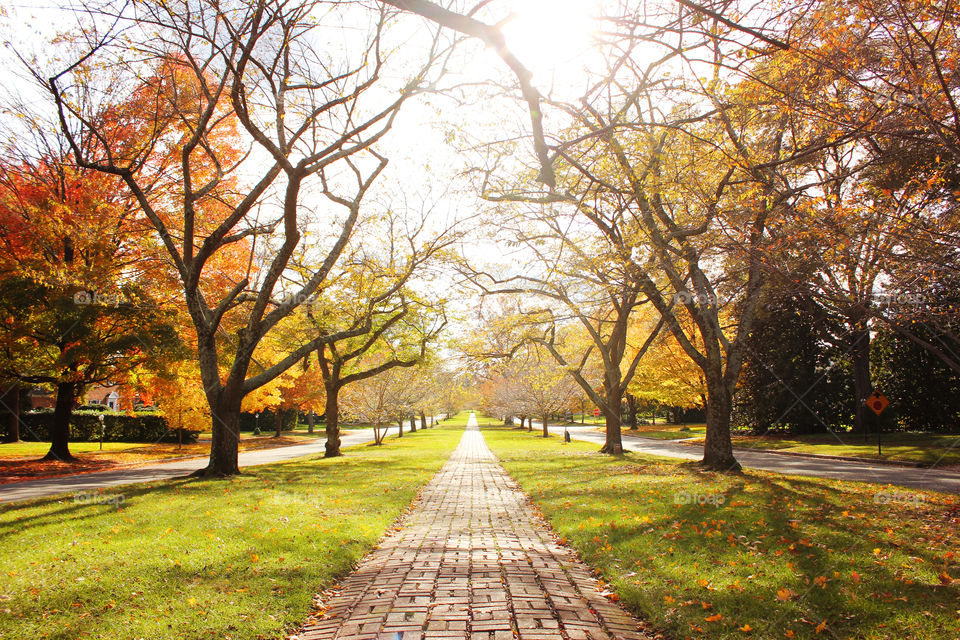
117 427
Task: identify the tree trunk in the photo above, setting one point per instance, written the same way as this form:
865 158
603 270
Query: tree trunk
400 422
225 438
60 429
311 421
546 432
11 401
611 412
279 418
423 420
332 447
860 354
632 411
717 448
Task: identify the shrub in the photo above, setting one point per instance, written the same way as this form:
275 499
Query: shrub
117 427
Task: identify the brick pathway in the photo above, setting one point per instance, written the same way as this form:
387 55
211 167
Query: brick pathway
470 562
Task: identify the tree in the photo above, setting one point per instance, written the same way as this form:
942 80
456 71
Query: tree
401 329
668 377
314 117
381 399
178 394
581 299
544 388
72 295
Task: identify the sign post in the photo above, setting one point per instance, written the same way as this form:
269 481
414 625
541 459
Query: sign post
877 403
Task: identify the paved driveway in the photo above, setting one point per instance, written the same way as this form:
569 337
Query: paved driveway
931 479
165 470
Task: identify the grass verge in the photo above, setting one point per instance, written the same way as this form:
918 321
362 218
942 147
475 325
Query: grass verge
21 460
667 432
230 559
760 555
460 419
931 449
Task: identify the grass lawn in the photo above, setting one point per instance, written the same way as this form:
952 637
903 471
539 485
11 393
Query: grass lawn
159 450
914 447
21 460
225 559
667 431
460 420
713 557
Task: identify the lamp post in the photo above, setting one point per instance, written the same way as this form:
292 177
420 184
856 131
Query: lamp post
100 418
256 429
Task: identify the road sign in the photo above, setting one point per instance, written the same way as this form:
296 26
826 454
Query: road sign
596 412
877 402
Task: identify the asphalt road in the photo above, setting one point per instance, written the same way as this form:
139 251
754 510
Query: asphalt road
913 478
931 479
79 483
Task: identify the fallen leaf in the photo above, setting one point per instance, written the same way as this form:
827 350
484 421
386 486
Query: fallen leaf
784 594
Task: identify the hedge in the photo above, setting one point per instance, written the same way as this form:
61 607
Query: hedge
118 427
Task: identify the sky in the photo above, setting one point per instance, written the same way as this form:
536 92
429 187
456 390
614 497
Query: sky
426 146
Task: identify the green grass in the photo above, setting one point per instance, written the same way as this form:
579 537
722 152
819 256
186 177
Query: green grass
226 559
38 449
913 447
673 432
460 419
779 555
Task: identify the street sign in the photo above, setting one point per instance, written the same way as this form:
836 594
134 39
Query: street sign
596 412
877 402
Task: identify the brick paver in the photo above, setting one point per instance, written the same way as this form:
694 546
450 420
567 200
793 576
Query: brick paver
471 562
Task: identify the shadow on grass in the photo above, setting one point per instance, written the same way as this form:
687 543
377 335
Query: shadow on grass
772 552
238 557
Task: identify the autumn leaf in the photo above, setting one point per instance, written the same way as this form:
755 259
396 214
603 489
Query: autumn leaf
821 626
746 628
784 594
714 618
944 578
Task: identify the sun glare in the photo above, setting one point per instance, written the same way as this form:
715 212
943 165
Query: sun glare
551 36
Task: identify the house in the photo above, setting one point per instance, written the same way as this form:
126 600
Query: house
115 397
41 398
